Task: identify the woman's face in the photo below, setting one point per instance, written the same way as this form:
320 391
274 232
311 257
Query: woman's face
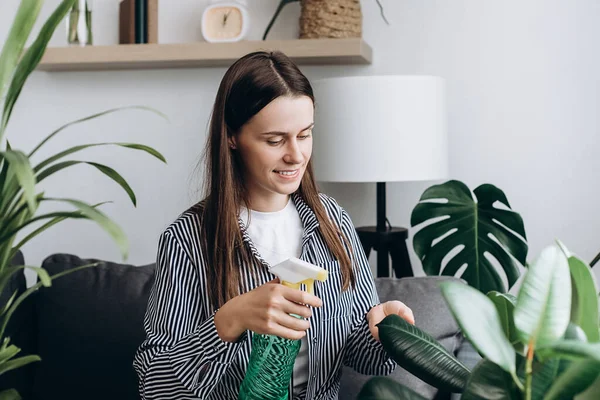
275 146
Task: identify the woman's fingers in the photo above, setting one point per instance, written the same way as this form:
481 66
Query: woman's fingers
298 309
294 323
301 297
287 333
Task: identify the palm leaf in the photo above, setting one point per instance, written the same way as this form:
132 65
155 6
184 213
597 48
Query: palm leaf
480 323
9 233
19 163
22 25
75 149
35 288
112 110
544 300
11 270
9 302
382 388
422 355
10 394
115 232
470 224
106 170
31 59
17 363
9 352
49 224
83 211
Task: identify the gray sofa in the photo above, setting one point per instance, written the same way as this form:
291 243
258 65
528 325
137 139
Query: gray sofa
87 326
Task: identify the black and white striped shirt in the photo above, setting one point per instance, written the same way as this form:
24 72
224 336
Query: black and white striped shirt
183 357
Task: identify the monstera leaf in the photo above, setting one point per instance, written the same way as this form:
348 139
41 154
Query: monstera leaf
457 219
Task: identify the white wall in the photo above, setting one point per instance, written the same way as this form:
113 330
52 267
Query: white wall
522 80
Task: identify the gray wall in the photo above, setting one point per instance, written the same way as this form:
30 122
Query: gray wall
522 80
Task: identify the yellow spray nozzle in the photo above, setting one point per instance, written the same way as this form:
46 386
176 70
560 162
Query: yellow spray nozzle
293 272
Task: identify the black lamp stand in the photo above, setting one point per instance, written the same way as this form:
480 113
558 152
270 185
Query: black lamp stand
386 241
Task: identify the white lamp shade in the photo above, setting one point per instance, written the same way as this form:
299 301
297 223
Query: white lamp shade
380 129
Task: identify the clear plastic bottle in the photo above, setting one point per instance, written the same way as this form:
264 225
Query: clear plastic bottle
270 368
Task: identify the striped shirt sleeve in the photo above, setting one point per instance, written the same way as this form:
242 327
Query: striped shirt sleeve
183 356
364 354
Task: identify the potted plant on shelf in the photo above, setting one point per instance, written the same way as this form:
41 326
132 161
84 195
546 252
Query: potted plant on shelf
331 19
21 171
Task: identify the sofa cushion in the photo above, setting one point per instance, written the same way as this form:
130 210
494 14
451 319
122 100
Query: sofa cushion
90 323
424 297
21 330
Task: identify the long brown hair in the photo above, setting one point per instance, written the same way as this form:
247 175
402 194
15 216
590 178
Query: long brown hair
248 86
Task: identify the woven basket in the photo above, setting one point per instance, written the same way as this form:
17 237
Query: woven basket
330 19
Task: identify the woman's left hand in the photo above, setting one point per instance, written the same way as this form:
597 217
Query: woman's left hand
379 312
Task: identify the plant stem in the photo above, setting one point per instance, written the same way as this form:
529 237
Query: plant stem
595 260
528 371
382 13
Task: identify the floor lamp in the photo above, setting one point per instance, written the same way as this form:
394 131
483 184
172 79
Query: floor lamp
380 129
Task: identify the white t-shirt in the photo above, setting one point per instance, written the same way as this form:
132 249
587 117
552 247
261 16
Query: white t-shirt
278 236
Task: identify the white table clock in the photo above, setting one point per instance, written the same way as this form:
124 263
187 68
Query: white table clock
225 21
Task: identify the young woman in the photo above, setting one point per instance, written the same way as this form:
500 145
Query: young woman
213 287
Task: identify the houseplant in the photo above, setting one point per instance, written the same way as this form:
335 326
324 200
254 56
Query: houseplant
283 3
20 172
469 220
542 344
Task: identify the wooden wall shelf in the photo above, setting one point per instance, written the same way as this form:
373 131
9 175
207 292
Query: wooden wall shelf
201 54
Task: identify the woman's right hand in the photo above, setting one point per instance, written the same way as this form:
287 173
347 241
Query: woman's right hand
266 310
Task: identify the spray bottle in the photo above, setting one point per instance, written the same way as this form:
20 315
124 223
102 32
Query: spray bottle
272 358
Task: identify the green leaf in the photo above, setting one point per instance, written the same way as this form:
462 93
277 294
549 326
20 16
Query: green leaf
33 289
584 305
544 374
547 372
17 363
31 59
8 353
574 332
9 271
64 214
19 163
543 306
115 232
420 354
470 224
14 44
112 110
576 379
477 317
569 349
490 382
111 173
74 149
10 394
505 305
382 388
58 217
6 306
